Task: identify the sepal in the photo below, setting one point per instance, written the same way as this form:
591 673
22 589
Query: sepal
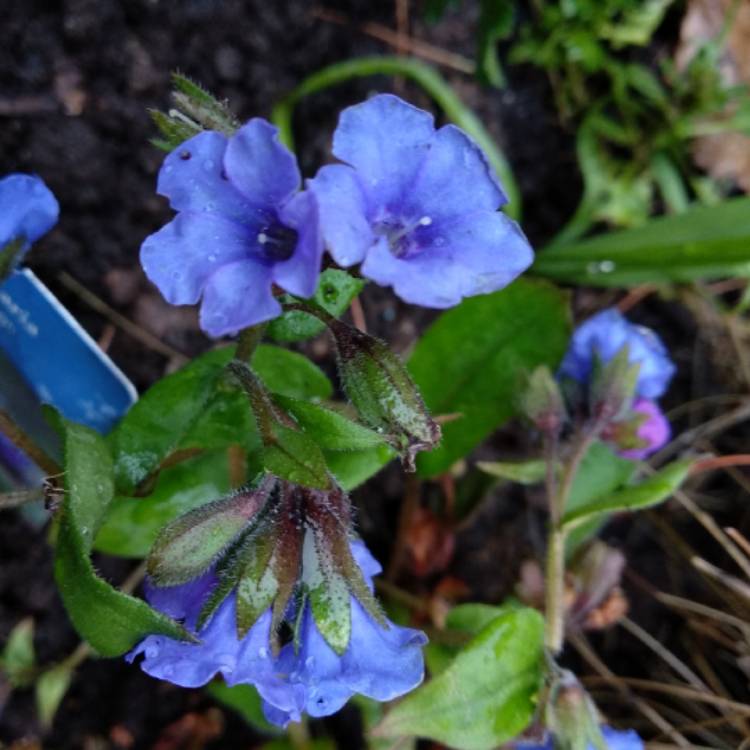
192 543
571 715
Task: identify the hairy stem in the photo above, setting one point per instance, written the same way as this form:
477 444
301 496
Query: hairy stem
248 342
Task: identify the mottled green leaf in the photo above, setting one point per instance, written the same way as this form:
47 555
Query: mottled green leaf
295 457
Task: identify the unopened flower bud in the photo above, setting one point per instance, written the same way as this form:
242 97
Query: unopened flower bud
613 387
380 388
571 715
642 432
542 402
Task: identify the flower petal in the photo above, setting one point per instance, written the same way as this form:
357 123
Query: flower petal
194 179
182 602
381 663
476 254
182 255
238 295
27 208
263 169
386 140
299 274
193 664
343 213
455 179
605 334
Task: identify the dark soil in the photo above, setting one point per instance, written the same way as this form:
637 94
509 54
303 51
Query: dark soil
76 80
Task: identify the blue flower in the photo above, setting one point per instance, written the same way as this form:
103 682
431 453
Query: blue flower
613 739
379 662
602 336
242 226
418 208
219 652
28 209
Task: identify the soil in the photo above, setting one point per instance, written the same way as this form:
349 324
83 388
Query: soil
77 78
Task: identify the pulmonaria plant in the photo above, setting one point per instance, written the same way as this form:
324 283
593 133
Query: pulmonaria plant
416 207
242 226
28 210
278 590
640 428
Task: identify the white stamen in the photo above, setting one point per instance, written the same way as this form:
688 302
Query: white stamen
425 221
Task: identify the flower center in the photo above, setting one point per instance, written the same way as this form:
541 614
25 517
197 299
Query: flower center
400 234
278 241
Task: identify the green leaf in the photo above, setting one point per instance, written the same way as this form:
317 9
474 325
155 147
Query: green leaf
523 472
471 361
290 374
245 700
133 523
486 696
352 468
465 619
50 689
372 713
111 621
706 242
601 472
334 294
646 494
158 423
17 658
295 457
196 408
330 429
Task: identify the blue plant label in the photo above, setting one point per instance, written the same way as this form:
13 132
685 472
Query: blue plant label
60 361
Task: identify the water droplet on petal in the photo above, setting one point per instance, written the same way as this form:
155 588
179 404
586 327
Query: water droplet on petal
212 258
263 652
208 164
439 241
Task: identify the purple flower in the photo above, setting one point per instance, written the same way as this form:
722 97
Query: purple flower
602 336
417 207
613 739
653 431
27 209
242 226
379 662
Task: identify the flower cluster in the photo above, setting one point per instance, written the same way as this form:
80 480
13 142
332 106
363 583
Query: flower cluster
28 210
596 344
285 604
415 206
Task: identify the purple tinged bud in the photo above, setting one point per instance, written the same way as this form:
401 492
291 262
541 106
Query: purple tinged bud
644 433
542 402
383 393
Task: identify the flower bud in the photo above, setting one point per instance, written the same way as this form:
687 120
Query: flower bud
542 402
380 388
571 715
613 387
642 432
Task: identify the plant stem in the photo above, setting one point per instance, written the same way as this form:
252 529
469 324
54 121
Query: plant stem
555 568
248 342
433 84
